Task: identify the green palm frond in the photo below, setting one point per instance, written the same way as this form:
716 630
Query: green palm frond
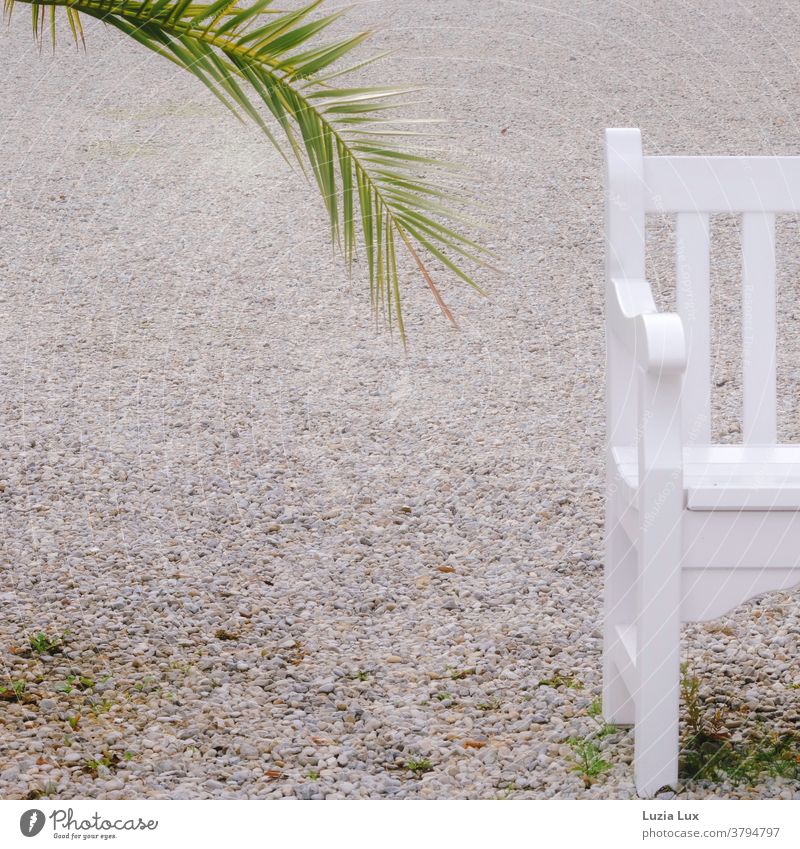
268 66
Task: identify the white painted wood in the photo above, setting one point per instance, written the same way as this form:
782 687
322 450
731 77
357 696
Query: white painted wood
707 594
722 496
619 593
693 295
625 656
658 596
721 184
762 540
656 340
730 477
624 260
758 327
692 529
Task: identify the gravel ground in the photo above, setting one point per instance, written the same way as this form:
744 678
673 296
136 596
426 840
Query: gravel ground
285 559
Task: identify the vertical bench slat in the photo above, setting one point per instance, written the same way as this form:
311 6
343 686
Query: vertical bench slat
758 327
693 291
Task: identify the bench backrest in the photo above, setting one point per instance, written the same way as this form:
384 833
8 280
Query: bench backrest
692 188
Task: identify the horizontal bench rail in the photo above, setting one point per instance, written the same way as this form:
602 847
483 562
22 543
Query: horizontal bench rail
721 184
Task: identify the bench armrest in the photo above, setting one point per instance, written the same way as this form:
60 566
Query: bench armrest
655 338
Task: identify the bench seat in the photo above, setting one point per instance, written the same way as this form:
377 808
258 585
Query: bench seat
728 477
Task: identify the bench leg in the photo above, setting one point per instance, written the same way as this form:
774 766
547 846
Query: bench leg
658 584
656 727
619 603
657 640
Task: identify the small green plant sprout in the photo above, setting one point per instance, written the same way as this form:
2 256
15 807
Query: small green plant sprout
444 696
41 643
419 765
491 704
559 680
76 682
74 722
361 675
15 692
313 775
146 685
127 756
460 674
98 707
588 760
595 708
690 688
109 760
45 792
595 711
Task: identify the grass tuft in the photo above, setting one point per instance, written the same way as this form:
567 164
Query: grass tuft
588 760
41 643
559 680
708 751
419 765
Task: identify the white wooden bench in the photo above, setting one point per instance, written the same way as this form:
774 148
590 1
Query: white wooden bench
692 529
